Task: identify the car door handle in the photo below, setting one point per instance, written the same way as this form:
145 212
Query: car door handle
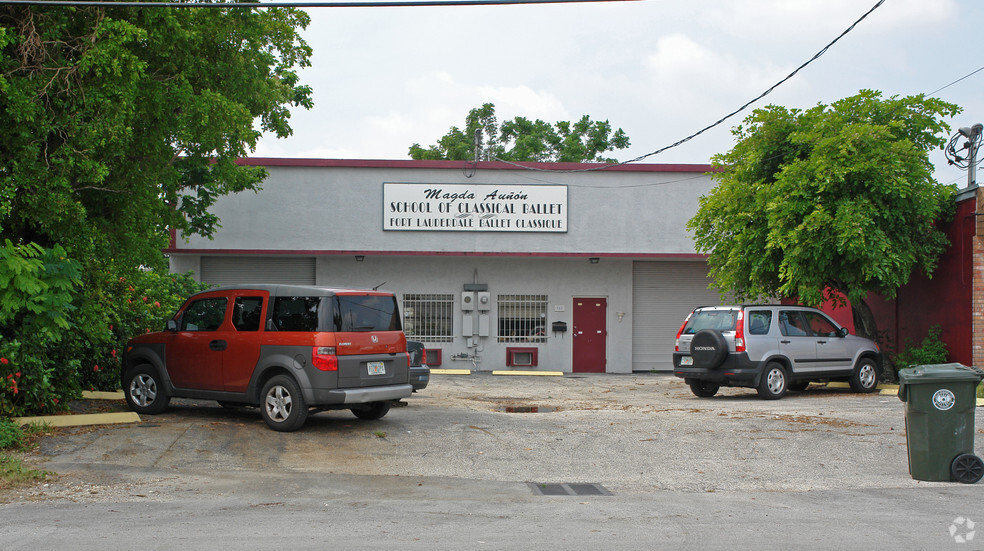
821 342
785 342
217 345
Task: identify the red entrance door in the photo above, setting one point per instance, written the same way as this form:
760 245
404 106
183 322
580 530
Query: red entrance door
590 335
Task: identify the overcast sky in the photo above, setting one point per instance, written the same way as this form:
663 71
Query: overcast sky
385 78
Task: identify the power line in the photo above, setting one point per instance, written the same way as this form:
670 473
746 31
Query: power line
972 73
722 119
252 5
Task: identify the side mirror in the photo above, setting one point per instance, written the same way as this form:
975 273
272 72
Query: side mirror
171 326
843 332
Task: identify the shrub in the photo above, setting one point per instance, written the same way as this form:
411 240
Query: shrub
28 381
931 350
11 434
41 371
123 308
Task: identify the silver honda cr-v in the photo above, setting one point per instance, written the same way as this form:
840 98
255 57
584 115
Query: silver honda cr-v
772 348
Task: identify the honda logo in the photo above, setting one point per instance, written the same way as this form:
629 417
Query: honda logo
375 339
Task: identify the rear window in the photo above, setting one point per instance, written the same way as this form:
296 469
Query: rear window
721 320
366 313
345 313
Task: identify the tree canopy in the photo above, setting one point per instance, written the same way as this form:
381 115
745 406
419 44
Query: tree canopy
831 202
521 139
120 125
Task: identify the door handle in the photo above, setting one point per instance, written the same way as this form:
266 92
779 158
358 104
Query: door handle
217 345
785 342
821 342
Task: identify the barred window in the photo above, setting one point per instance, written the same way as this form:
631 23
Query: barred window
427 318
522 318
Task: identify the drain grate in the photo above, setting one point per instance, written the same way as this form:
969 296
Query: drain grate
527 409
569 489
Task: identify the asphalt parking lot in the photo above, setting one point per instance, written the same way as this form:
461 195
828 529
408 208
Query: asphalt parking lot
630 444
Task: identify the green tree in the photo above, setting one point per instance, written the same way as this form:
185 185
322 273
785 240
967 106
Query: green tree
120 125
523 140
829 203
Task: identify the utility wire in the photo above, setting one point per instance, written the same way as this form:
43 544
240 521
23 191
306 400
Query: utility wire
972 73
722 119
251 5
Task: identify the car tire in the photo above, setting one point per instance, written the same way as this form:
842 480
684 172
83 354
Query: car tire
704 389
144 392
772 386
282 405
373 411
709 349
865 377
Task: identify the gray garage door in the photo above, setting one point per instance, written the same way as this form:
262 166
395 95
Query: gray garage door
232 270
663 293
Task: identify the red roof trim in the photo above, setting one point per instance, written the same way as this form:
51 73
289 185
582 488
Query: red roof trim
279 252
458 165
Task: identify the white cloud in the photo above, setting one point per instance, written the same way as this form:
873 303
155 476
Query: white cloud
801 20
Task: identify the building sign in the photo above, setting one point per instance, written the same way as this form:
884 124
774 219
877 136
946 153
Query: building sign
478 207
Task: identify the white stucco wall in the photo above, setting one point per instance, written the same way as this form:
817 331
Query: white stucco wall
341 209
333 213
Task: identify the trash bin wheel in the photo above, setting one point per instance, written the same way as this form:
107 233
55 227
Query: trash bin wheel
967 468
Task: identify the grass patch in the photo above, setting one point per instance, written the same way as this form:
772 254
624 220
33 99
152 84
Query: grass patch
13 441
14 473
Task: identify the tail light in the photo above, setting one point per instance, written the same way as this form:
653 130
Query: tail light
423 356
676 346
740 332
324 358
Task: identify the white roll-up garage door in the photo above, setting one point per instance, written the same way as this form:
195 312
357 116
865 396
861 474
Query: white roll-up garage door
663 293
234 270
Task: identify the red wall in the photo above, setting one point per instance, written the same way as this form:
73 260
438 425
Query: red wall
944 300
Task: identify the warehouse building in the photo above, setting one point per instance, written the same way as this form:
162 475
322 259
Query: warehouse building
496 266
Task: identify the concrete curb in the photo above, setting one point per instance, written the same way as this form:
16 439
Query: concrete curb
450 371
97 395
81 420
531 373
838 384
84 419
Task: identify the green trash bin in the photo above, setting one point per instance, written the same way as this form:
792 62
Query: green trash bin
939 421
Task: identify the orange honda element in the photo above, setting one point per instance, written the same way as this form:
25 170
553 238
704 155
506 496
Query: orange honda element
290 350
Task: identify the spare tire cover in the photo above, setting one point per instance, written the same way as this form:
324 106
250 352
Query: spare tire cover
708 348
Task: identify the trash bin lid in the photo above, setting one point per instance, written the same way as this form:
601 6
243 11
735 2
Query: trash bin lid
937 373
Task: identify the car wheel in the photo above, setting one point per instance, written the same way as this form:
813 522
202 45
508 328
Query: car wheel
709 349
773 383
144 393
282 405
704 389
798 386
967 468
865 377
373 411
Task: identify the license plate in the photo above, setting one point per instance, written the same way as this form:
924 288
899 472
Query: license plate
687 360
376 368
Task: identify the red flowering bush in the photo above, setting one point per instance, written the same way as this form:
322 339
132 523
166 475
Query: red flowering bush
40 372
130 306
26 382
